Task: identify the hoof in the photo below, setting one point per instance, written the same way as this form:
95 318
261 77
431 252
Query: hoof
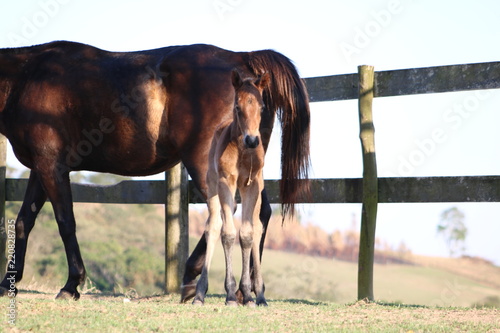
232 303
4 292
197 302
64 294
250 304
262 303
239 296
188 291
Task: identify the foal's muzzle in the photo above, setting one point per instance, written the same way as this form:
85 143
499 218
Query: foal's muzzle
251 141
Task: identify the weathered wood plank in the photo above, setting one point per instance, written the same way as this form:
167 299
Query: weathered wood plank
126 192
426 80
440 189
332 88
438 79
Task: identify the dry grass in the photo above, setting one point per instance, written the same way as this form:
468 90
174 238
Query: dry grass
97 313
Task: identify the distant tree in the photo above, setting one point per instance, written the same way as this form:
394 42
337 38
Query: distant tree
452 228
337 241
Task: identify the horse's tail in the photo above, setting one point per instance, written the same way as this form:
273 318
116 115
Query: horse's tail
287 95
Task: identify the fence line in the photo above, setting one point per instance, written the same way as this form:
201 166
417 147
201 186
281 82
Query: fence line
327 88
333 190
426 80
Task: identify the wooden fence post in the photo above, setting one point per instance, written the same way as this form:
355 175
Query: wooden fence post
176 226
370 183
3 233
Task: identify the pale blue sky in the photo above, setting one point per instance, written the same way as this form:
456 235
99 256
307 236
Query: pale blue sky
324 38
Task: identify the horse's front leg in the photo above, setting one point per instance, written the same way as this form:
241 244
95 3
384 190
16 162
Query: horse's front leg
227 189
250 236
34 199
258 234
57 187
264 217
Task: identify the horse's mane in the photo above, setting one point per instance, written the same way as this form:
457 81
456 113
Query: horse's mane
287 95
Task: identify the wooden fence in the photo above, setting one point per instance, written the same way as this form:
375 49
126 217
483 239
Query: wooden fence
176 192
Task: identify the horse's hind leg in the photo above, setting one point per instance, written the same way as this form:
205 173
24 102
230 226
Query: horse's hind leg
264 217
194 266
196 261
34 199
57 187
212 232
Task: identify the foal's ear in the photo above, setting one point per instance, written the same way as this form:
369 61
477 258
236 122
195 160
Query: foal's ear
263 81
237 81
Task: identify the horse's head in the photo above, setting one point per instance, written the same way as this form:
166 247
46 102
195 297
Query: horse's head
248 106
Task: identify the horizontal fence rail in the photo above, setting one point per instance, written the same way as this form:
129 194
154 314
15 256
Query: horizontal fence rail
412 81
349 190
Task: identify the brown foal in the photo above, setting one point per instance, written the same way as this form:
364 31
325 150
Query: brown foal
236 160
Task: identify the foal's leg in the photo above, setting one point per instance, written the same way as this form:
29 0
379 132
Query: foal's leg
34 199
250 236
258 232
264 217
227 191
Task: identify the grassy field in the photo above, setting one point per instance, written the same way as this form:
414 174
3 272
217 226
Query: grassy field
40 313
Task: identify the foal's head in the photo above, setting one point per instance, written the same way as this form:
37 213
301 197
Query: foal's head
248 107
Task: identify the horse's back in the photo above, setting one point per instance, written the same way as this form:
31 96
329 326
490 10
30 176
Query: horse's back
150 108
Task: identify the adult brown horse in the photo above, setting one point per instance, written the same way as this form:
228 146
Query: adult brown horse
66 106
